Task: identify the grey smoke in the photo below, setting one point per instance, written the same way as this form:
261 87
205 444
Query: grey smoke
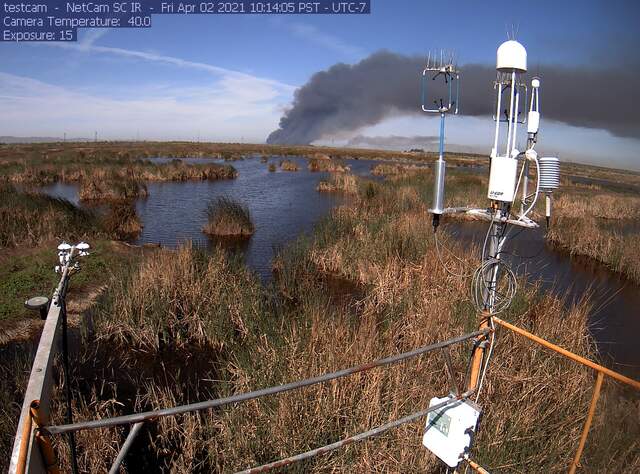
349 97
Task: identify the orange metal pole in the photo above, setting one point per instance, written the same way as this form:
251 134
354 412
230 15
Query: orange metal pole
48 455
600 368
478 355
587 424
477 467
24 446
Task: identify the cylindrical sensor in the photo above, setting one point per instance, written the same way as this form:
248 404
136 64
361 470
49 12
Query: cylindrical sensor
438 189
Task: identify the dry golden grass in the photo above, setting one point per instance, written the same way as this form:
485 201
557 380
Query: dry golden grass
324 163
112 191
599 224
228 218
30 219
600 205
122 221
288 165
339 183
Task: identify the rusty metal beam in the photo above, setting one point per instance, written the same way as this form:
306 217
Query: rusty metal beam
581 360
587 424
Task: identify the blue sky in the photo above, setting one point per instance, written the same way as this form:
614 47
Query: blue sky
229 78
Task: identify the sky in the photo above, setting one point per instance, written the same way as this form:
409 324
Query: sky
232 77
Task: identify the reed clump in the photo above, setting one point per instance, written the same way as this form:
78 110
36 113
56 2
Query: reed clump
288 165
112 190
325 163
339 183
394 170
30 219
228 218
122 221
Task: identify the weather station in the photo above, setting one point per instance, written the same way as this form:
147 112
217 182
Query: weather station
450 430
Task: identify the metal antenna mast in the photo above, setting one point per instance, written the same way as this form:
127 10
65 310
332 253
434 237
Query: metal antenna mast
446 71
494 283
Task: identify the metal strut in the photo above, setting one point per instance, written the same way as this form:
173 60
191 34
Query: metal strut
354 439
138 417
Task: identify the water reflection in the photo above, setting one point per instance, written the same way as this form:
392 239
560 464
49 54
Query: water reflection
613 321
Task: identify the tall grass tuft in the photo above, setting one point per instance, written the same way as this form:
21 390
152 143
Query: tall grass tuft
289 165
114 190
30 219
122 221
228 218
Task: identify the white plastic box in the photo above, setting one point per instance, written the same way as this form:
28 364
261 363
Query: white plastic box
502 180
449 430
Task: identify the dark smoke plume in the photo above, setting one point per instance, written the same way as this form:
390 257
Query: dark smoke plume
346 97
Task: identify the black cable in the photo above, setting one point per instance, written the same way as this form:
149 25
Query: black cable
67 378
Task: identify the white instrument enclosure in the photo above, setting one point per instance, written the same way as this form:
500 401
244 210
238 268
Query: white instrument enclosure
502 180
449 430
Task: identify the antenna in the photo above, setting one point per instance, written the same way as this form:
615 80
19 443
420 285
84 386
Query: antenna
447 73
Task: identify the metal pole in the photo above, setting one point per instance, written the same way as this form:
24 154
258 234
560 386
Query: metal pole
65 368
587 424
489 279
137 417
125 448
353 439
476 467
570 355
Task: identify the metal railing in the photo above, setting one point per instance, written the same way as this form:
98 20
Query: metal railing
600 369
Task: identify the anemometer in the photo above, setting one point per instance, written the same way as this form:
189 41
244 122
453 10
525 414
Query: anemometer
444 71
449 431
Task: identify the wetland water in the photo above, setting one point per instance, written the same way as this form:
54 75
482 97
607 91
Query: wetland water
283 205
286 204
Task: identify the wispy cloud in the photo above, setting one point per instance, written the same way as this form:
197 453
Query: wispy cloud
321 38
90 36
90 48
222 110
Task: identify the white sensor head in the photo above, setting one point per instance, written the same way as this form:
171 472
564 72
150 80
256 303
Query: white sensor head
535 83
511 57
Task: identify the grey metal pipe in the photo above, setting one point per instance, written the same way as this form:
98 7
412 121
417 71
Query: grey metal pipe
243 397
125 447
353 439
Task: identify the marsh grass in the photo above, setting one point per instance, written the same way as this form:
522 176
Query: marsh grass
112 190
288 165
30 219
122 221
601 225
378 249
185 326
82 166
339 183
228 218
325 163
